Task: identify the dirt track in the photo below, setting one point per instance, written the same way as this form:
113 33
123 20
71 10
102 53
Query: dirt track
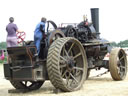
94 86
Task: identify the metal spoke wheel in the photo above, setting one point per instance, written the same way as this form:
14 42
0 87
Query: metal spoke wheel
67 64
118 64
71 32
30 85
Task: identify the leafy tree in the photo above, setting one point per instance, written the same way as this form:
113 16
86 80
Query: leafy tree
3 45
113 44
123 43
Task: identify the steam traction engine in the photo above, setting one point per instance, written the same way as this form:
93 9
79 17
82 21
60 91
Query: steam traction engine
67 55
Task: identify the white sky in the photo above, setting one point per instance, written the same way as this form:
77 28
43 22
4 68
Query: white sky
27 13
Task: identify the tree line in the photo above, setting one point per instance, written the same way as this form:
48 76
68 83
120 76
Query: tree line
3 45
121 44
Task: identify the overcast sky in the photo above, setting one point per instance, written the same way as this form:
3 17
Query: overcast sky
27 13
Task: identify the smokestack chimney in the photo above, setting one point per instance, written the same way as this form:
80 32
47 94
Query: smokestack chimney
95 18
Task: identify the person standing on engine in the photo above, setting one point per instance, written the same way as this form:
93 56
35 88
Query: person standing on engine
11 29
39 33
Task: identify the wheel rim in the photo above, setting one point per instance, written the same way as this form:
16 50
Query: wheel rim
71 65
70 68
121 65
118 64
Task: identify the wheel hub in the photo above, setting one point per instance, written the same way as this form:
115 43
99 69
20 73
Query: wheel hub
70 63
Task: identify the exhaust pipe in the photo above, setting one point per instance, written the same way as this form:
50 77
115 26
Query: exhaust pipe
95 18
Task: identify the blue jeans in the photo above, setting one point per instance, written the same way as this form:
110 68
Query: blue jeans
37 40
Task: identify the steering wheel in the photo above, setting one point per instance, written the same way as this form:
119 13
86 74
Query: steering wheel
20 36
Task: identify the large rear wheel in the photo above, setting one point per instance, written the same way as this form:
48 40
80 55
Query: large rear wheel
67 64
118 64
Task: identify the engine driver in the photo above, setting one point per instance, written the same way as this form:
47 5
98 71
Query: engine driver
39 33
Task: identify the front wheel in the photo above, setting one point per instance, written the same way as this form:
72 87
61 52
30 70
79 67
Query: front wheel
118 64
67 64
